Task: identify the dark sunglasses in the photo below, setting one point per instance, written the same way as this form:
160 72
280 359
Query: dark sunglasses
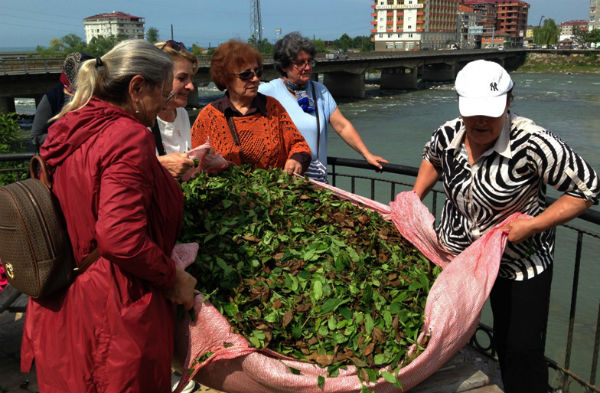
176 45
249 74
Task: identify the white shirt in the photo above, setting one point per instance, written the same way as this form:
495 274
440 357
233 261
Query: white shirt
176 135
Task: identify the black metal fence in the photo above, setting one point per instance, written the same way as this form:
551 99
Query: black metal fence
364 181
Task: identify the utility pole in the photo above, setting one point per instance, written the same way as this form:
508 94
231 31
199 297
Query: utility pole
256 22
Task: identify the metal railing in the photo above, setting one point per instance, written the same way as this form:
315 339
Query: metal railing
372 182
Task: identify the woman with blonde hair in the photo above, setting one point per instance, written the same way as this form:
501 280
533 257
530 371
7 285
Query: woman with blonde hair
111 330
172 130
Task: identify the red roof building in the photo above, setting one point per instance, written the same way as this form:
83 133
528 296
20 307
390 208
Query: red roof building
115 23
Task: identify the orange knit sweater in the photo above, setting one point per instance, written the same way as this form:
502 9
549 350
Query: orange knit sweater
264 141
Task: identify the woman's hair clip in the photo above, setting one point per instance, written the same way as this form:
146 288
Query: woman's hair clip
99 63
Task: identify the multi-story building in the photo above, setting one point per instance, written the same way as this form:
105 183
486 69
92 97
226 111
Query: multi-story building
567 29
469 27
113 24
594 15
568 37
414 24
487 11
504 21
512 22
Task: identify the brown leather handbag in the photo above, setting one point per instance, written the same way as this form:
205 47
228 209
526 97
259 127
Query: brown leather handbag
35 249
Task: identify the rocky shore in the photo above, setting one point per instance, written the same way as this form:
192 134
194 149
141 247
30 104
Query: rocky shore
579 63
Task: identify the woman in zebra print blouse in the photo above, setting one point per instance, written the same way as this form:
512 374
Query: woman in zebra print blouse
494 163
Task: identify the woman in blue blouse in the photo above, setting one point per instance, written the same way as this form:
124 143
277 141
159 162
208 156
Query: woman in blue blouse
309 103
494 163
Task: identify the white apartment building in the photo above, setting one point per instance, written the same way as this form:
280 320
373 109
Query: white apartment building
414 24
567 29
115 23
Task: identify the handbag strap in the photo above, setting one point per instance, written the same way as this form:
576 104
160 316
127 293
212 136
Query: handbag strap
158 139
312 85
87 261
234 133
38 170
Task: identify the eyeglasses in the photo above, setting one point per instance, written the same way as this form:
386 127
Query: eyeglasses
176 45
249 74
304 63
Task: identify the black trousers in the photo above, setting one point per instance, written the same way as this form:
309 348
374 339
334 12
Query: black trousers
520 310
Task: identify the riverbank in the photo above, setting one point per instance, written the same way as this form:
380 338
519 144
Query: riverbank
576 63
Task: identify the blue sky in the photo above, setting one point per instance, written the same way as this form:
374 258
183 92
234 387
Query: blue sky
27 23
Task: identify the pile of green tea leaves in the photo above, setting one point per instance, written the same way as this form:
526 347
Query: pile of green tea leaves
299 271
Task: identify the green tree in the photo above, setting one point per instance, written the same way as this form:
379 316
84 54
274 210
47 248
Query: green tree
60 47
10 142
56 48
197 50
579 35
344 42
547 34
593 36
264 46
152 35
363 43
319 45
98 46
73 43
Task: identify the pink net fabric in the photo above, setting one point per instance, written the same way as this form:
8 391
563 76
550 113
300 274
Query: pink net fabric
3 278
451 316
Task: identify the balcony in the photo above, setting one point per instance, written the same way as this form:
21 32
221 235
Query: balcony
398 6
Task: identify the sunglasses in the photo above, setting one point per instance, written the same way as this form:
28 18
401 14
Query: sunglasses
249 74
176 45
304 63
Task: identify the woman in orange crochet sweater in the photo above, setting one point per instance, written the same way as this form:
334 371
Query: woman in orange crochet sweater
244 126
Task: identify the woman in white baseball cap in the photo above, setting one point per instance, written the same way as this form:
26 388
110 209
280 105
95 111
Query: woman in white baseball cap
494 163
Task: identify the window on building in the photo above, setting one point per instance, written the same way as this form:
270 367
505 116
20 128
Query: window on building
410 35
380 35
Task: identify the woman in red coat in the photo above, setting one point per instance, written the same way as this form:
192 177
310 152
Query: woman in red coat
112 329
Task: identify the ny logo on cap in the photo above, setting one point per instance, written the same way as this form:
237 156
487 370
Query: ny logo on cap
493 86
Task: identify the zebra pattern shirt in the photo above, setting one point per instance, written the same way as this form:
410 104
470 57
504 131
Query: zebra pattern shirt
510 177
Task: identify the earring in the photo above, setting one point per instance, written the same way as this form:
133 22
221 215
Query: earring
136 107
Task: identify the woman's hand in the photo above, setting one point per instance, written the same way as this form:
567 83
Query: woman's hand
292 166
176 163
520 229
374 160
183 290
560 211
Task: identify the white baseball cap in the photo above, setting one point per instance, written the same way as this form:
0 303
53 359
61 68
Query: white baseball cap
482 87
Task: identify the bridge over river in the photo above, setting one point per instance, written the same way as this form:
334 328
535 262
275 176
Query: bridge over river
28 77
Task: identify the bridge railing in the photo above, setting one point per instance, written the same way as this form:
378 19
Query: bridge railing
383 186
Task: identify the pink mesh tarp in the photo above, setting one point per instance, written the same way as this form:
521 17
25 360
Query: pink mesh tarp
451 316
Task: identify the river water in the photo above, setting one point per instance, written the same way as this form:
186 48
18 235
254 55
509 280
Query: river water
396 125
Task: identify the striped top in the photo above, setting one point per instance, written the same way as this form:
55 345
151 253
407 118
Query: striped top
510 177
